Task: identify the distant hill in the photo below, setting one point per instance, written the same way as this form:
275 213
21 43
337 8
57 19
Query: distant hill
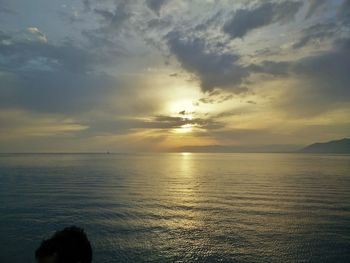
338 146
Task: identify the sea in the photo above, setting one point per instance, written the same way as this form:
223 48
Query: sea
179 207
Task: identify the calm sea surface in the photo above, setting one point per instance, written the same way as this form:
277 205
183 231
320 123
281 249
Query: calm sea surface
180 207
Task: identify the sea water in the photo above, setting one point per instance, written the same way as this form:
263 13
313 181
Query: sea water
179 207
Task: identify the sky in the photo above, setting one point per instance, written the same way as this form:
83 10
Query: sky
173 75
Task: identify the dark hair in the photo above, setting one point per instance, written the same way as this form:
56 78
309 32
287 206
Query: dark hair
69 245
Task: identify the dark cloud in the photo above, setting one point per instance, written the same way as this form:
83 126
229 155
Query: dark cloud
326 30
316 34
115 34
114 19
328 70
207 100
251 102
158 24
218 69
4 37
314 6
106 14
245 20
228 113
87 5
211 21
55 92
5 8
322 82
214 69
43 77
214 98
323 31
344 12
167 122
125 125
156 5
19 54
273 68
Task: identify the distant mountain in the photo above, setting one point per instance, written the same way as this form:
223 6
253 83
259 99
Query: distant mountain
338 146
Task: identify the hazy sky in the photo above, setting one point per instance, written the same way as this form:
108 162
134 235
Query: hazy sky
158 75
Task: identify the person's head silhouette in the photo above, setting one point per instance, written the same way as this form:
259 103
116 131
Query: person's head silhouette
69 245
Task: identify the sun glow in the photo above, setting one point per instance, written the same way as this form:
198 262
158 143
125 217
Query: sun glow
186 128
185 106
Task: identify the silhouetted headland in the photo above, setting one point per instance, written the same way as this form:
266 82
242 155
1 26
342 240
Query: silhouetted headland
336 146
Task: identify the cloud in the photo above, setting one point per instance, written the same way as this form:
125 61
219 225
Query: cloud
116 18
4 8
87 5
316 34
110 126
19 124
16 53
178 122
216 96
245 20
213 68
41 36
329 70
218 69
273 68
57 91
5 39
43 77
328 29
314 6
156 5
320 82
344 12
33 30
116 33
